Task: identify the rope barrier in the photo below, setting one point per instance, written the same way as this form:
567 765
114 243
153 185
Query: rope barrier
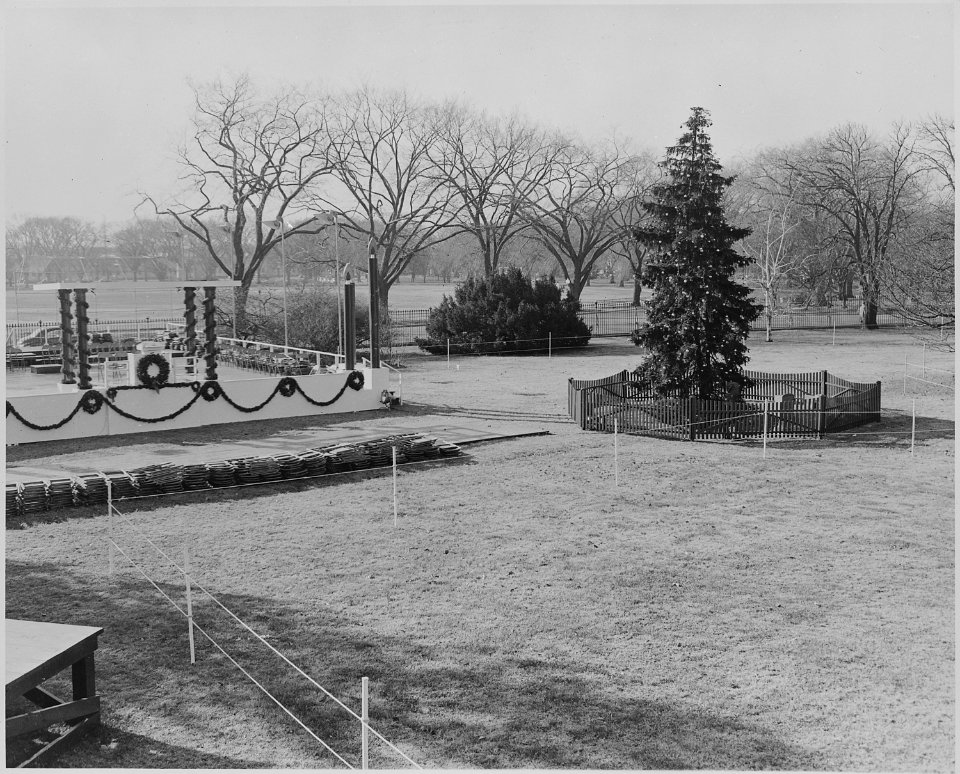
262 640
927 381
218 647
777 414
929 368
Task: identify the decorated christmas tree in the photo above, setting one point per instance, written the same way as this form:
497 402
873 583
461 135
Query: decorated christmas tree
699 317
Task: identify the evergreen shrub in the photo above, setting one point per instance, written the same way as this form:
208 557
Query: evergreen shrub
505 312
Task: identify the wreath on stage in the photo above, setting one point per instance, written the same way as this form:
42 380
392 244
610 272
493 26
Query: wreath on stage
146 375
210 391
91 401
355 380
287 386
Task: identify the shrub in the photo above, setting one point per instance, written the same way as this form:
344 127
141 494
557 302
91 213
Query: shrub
505 312
311 321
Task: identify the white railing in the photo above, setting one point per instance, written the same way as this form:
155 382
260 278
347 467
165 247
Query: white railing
260 356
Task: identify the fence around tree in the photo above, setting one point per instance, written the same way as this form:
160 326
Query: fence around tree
802 405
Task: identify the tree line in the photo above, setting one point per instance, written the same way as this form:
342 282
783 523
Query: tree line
424 183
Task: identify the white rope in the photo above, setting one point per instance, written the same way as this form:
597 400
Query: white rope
929 368
927 381
270 646
232 660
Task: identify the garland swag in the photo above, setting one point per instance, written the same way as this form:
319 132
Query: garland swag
92 401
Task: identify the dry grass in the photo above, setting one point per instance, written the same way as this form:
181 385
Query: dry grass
716 610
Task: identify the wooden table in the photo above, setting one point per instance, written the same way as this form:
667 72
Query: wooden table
37 650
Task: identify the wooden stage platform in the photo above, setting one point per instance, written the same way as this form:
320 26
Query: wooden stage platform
36 651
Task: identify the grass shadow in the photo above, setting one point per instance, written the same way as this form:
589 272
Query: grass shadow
475 707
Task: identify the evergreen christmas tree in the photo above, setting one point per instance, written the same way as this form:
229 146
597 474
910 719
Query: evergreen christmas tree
699 317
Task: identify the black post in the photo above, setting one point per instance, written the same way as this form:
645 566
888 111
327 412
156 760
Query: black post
350 323
83 349
67 355
210 332
374 311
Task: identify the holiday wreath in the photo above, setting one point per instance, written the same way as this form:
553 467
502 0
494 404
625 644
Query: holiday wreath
149 379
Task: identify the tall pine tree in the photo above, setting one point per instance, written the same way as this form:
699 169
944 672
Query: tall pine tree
699 317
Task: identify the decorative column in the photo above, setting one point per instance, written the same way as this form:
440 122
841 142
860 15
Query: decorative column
210 332
83 340
190 318
67 352
349 323
374 310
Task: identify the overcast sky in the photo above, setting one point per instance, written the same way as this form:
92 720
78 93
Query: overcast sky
97 96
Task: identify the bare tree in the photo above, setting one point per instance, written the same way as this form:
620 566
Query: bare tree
37 239
383 151
640 173
493 165
149 247
250 162
935 148
919 281
869 190
765 197
571 213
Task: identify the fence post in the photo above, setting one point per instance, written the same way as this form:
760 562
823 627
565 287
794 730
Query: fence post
913 426
766 412
549 345
448 353
821 416
692 414
904 373
364 720
186 577
616 453
110 526
923 362
394 486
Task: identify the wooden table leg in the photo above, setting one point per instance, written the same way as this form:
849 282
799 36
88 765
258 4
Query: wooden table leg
84 678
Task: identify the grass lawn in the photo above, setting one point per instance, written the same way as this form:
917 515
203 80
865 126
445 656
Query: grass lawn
717 610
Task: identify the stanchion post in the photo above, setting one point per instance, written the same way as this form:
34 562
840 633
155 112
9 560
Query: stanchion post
186 577
364 721
616 452
394 486
766 413
110 525
913 426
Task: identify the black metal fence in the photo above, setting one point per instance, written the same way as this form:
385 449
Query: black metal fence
401 327
621 318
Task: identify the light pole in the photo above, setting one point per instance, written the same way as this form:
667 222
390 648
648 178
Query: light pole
283 270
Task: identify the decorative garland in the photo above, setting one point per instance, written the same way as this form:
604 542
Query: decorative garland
92 401
151 381
112 391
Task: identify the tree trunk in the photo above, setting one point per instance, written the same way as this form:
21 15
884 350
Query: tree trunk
768 312
871 303
637 289
240 324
